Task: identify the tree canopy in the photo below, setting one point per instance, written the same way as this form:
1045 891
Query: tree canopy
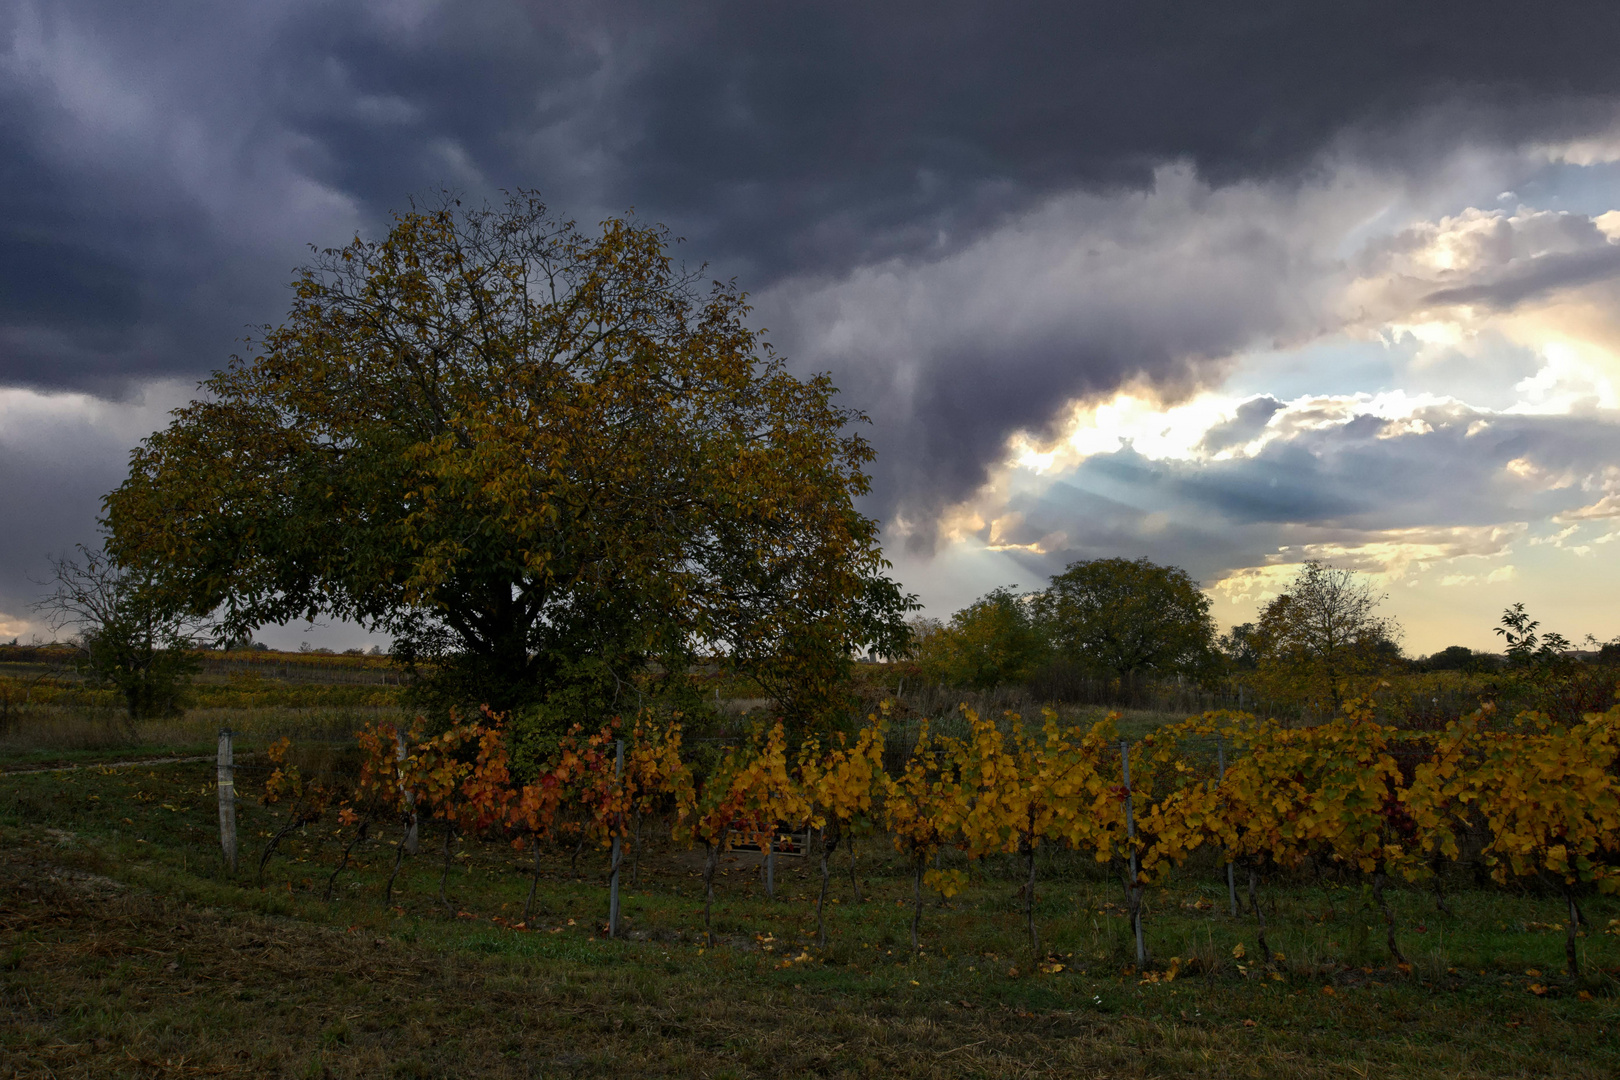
1238 645
538 457
1127 616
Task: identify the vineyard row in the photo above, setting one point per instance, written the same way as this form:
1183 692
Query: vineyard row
1529 798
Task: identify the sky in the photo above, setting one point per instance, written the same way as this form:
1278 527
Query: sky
1224 286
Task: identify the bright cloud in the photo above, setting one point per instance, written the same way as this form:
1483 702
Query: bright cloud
1442 498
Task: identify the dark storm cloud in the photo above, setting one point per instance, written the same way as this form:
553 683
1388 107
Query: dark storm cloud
807 137
1091 291
161 168
780 138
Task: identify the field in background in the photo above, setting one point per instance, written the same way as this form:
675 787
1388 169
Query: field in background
48 713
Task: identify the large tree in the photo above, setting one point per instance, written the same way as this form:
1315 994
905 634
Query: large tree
540 458
1126 617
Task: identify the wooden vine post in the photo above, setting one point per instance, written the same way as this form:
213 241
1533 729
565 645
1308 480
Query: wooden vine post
227 799
409 842
1231 875
618 851
1130 842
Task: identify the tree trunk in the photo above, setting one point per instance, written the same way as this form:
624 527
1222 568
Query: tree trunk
534 880
1435 866
399 857
711 862
1259 916
344 862
444 871
828 844
635 854
1134 892
916 893
1389 916
854 883
1029 900
1569 932
296 821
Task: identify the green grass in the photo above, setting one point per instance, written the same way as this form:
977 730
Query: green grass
48 736
126 948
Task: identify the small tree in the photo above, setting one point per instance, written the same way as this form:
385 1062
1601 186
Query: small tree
991 642
1237 645
925 808
838 787
1550 802
1454 658
1032 789
1123 617
130 644
1541 655
1322 636
744 795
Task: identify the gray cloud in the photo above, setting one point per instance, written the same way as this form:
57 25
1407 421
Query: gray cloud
1533 278
164 167
1250 420
1494 260
954 355
58 455
972 214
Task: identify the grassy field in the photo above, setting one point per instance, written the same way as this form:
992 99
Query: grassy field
127 949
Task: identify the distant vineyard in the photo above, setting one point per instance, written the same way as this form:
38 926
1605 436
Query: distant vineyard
19 693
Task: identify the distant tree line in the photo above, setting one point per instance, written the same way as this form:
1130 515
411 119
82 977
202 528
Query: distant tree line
1318 642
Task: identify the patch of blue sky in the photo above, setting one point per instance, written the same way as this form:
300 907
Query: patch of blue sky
1482 371
1485 373
1580 189
1333 365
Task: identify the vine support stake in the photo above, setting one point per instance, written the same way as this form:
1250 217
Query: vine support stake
1231 877
618 841
410 841
1130 841
770 864
227 798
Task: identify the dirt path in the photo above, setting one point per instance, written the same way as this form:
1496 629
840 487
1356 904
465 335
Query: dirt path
110 765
